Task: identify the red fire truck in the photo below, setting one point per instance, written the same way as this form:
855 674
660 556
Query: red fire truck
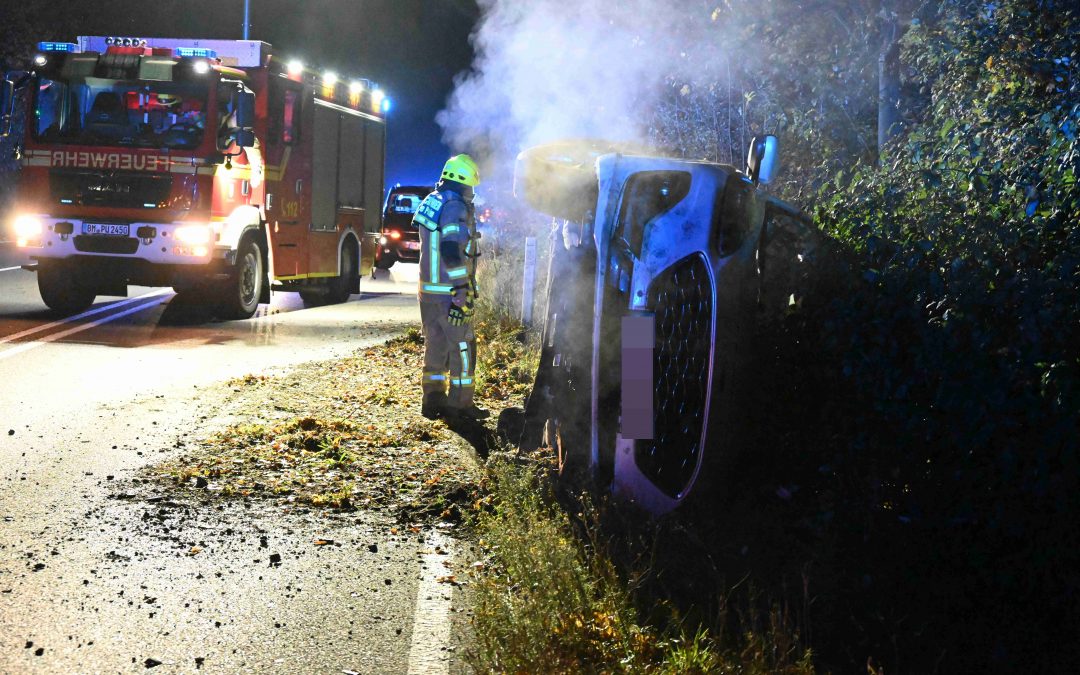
212 166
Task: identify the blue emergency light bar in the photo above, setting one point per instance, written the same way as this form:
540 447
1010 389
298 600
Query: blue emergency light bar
57 47
197 52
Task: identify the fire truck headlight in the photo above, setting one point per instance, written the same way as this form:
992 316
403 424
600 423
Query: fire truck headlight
201 67
28 230
40 60
394 234
193 235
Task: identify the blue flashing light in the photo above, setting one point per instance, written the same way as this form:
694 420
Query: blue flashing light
386 105
196 52
57 47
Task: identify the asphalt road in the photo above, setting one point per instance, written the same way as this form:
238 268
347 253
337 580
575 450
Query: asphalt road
98 574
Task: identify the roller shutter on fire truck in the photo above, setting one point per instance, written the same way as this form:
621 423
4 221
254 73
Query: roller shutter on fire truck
348 168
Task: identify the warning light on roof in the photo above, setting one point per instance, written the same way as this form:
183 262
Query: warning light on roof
377 98
356 87
197 52
329 79
386 105
125 42
296 68
57 47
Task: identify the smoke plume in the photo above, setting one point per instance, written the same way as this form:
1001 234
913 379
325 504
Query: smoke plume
551 69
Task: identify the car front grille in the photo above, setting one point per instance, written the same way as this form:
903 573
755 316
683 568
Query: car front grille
682 300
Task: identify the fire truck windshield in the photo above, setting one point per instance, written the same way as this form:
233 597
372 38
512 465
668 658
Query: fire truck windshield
100 111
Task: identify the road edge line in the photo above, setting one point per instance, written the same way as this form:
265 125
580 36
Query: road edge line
431 619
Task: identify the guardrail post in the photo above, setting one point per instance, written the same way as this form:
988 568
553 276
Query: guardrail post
529 281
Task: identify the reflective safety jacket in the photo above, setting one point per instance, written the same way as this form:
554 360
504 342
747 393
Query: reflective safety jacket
448 244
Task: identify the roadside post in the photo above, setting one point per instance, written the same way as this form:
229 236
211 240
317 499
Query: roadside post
529 281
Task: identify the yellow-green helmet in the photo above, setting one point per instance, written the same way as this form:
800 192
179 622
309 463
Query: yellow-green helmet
463 169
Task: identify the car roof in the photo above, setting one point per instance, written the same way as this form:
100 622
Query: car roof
411 189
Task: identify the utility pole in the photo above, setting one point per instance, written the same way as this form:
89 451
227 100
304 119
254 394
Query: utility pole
247 17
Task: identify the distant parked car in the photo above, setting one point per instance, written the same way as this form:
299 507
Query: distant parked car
400 241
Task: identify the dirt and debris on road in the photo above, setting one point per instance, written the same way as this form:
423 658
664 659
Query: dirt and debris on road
344 434
348 434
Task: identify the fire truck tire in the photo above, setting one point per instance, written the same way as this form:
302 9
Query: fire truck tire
62 287
341 286
244 287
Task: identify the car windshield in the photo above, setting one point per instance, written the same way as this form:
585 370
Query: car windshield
100 111
402 205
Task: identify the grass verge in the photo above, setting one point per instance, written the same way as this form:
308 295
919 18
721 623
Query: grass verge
549 600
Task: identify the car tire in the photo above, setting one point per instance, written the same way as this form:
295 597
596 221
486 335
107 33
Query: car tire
386 262
62 288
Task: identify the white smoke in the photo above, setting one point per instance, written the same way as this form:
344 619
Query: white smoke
554 69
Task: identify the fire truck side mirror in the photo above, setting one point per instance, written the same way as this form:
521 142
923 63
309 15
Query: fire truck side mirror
245 109
763 159
245 138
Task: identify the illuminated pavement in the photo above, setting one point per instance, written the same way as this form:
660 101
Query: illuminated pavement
85 404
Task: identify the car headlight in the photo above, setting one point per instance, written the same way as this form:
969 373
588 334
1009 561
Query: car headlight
194 235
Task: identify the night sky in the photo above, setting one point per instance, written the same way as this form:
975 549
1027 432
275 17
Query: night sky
412 48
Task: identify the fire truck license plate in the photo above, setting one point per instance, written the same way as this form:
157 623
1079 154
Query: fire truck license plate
106 229
412 245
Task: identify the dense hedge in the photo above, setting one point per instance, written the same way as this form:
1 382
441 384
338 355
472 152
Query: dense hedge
946 411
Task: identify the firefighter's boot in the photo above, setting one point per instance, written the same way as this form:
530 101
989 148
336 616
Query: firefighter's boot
470 413
434 405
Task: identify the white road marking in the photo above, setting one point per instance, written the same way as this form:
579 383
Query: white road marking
10 269
97 310
27 346
431 621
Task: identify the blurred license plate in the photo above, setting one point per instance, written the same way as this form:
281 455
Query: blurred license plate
106 229
412 245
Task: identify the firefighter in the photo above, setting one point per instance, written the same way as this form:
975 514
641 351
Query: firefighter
447 291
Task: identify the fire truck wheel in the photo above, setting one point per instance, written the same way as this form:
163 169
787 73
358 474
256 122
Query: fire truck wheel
341 285
62 287
244 287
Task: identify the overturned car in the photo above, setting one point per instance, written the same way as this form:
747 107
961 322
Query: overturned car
661 273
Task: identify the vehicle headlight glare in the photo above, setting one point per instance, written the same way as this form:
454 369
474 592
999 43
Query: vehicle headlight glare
28 227
193 235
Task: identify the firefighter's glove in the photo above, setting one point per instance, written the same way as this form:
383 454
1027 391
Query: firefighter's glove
460 315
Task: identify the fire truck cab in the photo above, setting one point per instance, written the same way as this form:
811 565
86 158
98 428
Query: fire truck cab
212 166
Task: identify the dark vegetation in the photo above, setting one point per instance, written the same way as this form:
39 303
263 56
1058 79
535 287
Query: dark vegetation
912 495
